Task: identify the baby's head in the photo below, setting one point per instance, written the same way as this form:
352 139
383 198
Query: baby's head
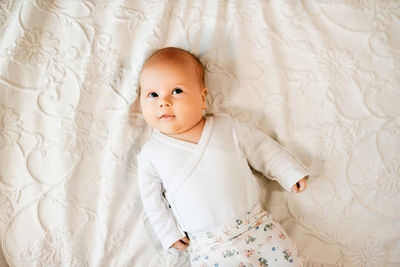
172 92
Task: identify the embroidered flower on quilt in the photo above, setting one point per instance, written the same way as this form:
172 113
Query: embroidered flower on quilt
331 140
102 70
388 180
367 252
84 134
54 249
385 14
336 66
35 48
10 127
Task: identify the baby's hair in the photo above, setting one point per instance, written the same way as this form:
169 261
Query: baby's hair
178 55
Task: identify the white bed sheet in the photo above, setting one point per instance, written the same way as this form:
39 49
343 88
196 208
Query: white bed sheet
321 76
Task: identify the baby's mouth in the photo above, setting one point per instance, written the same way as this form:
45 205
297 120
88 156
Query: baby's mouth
167 116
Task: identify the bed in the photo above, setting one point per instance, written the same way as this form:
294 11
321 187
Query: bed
322 77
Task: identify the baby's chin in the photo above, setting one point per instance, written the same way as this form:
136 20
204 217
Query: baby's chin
174 128
162 128
166 130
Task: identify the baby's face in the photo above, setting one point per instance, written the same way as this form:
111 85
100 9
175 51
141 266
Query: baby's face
172 97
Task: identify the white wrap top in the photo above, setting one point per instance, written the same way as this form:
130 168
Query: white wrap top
197 187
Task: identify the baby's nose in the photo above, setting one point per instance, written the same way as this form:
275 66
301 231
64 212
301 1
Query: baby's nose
165 103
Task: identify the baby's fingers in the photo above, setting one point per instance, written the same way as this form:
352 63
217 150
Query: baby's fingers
185 240
181 244
300 186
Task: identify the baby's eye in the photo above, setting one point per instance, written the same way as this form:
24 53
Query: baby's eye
177 91
153 95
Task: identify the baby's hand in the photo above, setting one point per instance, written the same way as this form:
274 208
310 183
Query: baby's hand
300 185
181 244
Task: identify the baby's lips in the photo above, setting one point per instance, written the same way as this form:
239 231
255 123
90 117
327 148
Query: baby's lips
167 116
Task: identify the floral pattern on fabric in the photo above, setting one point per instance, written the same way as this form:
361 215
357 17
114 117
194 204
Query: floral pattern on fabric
254 240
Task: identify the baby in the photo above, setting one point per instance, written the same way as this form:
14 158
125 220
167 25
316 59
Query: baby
195 180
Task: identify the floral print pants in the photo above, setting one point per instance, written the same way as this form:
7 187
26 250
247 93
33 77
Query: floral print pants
254 240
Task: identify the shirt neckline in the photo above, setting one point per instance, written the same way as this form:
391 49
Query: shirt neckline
186 144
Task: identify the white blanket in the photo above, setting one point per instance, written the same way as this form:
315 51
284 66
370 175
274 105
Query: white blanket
321 76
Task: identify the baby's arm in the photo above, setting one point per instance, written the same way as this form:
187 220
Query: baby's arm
155 206
269 157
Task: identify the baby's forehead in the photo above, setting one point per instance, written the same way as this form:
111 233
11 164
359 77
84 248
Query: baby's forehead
172 56
167 58
162 64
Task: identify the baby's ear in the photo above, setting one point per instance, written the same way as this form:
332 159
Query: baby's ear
205 91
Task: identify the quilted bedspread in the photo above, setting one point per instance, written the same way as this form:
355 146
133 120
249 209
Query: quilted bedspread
320 76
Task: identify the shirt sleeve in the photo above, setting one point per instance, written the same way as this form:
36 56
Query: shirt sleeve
268 156
156 207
